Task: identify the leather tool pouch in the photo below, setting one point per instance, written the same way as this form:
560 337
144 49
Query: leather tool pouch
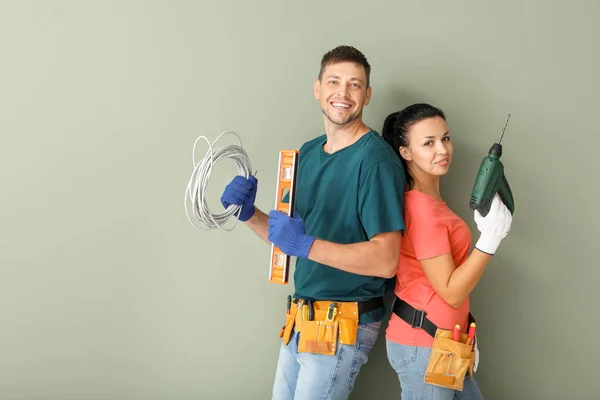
321 335
449 361
286 330
318 337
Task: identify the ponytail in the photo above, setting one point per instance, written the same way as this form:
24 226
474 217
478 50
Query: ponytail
391 133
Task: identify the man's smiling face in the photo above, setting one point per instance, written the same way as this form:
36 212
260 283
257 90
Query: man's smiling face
342 92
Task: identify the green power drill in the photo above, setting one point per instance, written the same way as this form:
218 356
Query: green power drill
490 179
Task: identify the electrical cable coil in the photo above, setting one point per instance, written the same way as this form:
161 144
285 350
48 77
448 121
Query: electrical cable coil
200 216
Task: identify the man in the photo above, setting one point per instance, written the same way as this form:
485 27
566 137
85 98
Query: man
345 232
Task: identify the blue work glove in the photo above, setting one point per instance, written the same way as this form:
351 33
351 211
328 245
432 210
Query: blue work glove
289 234
241 192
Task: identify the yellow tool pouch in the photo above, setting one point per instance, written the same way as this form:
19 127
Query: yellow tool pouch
318 337
449 361
327 324
286 330
332 322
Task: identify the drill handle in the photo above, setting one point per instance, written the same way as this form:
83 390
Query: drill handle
506 195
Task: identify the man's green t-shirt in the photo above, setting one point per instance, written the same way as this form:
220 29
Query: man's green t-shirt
347 197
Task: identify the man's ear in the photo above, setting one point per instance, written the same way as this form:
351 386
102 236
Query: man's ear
368 96
404 153
316 88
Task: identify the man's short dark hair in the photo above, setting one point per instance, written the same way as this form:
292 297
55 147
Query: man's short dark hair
345 54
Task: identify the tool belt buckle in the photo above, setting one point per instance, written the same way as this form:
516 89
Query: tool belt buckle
418 318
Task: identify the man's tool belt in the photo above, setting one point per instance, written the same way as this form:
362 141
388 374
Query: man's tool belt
320 324
449 359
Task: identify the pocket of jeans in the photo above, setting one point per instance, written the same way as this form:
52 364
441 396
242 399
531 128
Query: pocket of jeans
367 335
373 326
400 355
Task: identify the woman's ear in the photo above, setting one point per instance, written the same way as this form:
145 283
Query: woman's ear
404 153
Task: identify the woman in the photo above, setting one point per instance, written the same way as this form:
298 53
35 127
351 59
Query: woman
437 271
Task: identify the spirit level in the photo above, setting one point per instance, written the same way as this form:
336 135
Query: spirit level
284 202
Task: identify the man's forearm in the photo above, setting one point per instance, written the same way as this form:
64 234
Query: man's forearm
259 224
372 258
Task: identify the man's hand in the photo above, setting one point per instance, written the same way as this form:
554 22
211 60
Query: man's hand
242 192
289 234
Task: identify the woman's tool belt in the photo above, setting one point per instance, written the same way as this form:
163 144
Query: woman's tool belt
449 359
320 324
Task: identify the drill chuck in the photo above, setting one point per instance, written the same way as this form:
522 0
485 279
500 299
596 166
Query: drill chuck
496 150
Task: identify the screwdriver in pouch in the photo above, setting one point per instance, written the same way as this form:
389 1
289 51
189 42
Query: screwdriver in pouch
304 309
456 333
331 312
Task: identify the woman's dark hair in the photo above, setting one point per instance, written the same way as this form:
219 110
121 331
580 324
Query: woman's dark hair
397 124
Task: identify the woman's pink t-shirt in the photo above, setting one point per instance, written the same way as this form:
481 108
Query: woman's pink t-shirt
432 229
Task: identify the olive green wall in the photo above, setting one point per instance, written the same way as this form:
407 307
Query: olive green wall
106 290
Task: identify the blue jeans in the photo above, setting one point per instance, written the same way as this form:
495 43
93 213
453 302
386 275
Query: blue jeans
308 376
410 363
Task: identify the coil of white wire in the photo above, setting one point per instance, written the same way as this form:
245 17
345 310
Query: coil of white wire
200 215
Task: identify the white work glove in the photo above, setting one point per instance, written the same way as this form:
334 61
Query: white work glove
493 227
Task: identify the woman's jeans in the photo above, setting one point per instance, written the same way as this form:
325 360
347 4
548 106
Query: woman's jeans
410 363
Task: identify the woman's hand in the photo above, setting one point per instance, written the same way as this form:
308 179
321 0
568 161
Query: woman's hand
493 227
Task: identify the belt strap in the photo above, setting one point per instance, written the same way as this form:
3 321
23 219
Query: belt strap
416 318
370 305
363 306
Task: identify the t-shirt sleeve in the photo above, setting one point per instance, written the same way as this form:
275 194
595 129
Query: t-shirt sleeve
381 199
428 233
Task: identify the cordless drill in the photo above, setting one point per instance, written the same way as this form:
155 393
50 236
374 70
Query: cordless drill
491 180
